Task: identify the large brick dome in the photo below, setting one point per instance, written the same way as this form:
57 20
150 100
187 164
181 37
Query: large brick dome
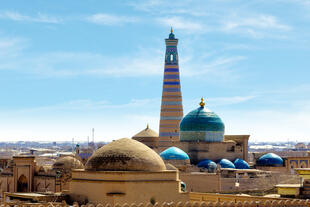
125 155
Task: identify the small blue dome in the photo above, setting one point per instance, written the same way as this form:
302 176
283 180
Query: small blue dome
174 153
270 159
183 186
226 164
241 164
206 163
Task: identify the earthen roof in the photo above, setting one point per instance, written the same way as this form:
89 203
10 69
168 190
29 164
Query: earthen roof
125 155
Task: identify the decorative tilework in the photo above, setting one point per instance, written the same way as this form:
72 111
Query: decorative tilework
171 89
171 103
171 49
171 107
171 77
171 96
164 127
172 70
171 117
171 83
167 134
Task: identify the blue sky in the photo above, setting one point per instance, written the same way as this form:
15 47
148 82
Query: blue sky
68 67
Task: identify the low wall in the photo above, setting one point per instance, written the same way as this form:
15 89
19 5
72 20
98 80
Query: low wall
267 203
211 182
235 200
201 182
228 185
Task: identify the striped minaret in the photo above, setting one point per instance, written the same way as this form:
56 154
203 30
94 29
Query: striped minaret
171 103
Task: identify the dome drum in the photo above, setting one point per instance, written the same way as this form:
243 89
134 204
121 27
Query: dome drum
203 136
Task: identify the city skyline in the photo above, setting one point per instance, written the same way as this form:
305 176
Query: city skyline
65 69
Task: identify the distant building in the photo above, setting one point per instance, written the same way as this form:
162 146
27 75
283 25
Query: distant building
148 137
300 145
24 175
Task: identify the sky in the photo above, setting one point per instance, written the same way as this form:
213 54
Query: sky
69 66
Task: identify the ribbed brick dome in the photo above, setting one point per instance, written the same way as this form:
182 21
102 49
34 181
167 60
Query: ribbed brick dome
68 163
125 155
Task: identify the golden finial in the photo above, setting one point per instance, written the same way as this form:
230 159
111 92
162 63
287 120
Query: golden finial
171 30
202 103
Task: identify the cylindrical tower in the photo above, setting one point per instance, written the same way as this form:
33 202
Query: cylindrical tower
171 104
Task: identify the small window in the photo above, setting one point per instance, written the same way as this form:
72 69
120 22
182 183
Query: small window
171 57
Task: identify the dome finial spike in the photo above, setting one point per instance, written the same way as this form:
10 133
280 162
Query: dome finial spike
202 103
147 126
171 30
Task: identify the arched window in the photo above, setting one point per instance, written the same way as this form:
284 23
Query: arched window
171 57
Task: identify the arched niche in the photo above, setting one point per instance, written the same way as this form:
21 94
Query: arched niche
22 184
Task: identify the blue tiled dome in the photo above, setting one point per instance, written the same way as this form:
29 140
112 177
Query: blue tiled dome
241 164
206 164
202 124
226 163
270 159
174 153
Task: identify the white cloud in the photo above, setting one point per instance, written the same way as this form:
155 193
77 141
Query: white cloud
68 64
90 105
109 19
147 5
221 16
261 21
11 47
42 18
181 23
219 101
74 64
221 68
161 7
256 26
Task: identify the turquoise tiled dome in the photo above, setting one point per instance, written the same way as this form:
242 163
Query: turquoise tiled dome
174 153
226 163
206 163
202 124
270 159
241 164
